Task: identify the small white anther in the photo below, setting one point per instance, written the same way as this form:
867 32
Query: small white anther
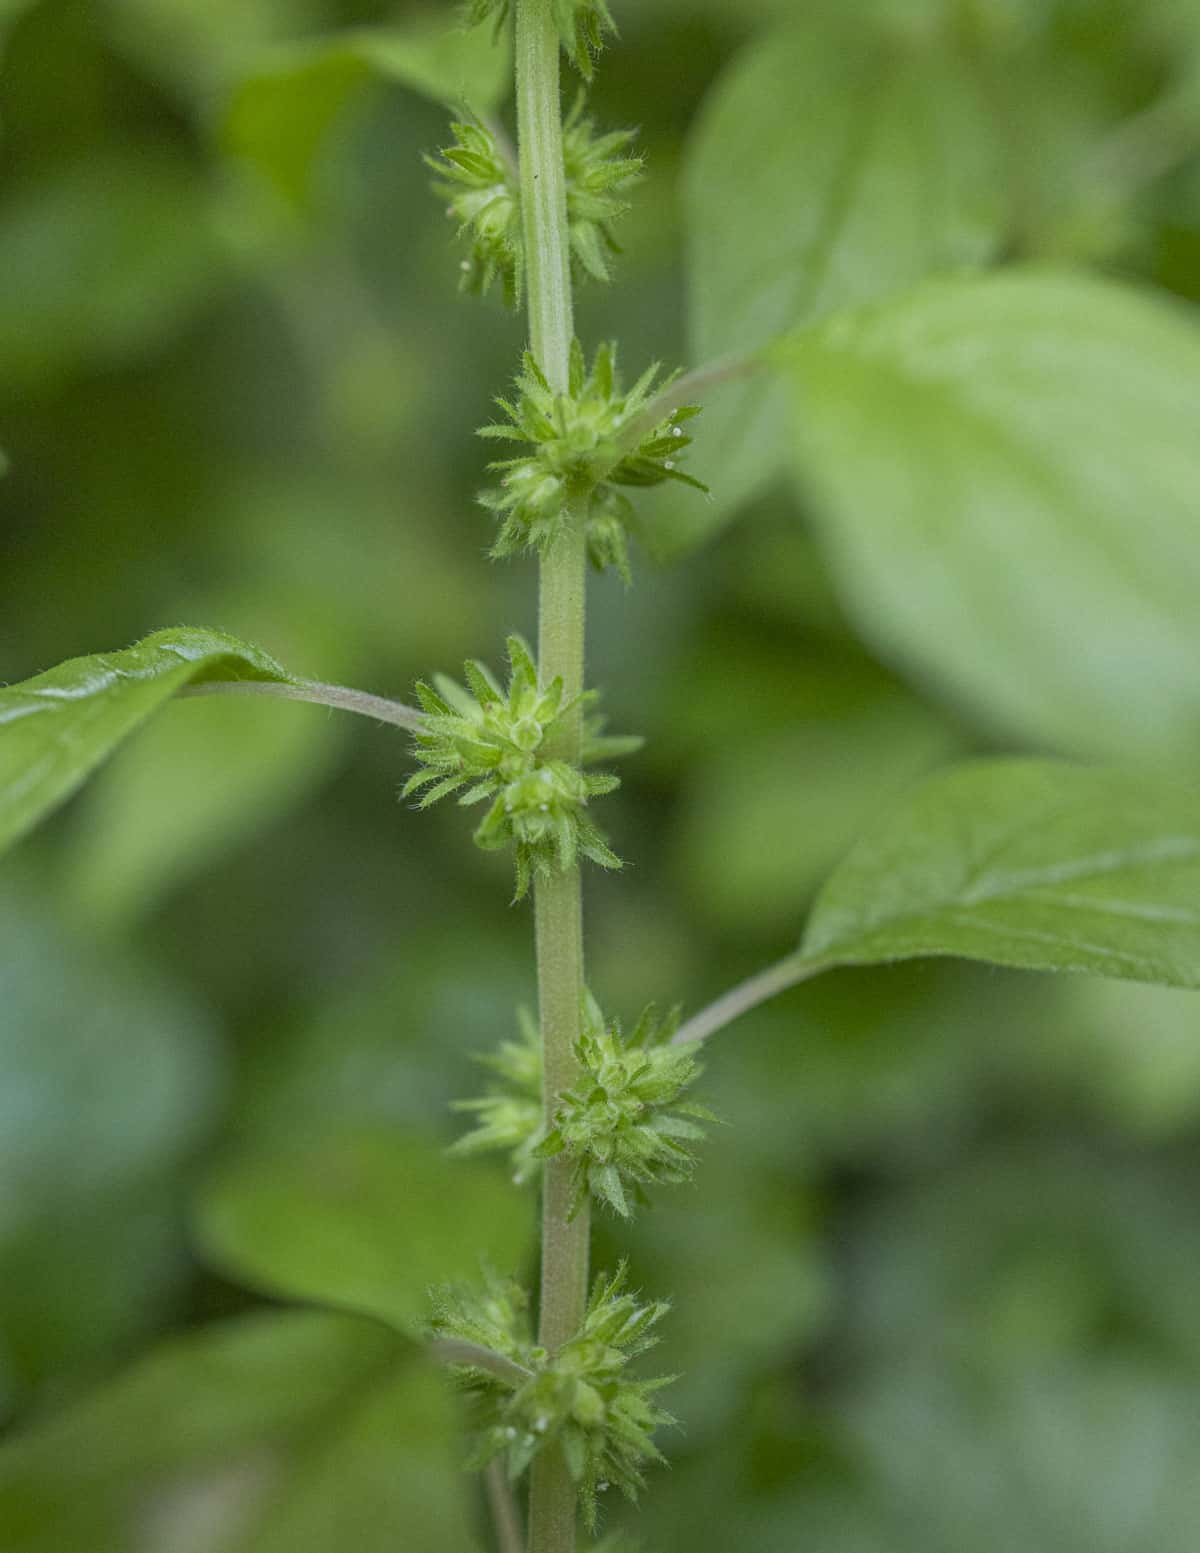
602 1488
668 463
541 1423
465 265
677 431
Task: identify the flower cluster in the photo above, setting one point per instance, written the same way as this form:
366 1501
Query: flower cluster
622 1121
597 173
509 1116
492 742
585 443
479 184
582 1398
479 181
582 25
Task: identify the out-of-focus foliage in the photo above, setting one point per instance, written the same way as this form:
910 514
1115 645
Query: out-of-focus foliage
354 1192
881 169
1035 864
1005 473
259 1434
59 726
935 1284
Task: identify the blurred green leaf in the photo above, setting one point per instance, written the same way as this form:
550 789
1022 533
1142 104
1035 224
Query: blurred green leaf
10 12
363 1221
202 778
1137 1054
852 743
56 728
1004 470
109 1080
108 1077
833 162
280 116
202 44
297 1431
697 1253
102 262
1036 1251
1061 1460
1024 863
87 1280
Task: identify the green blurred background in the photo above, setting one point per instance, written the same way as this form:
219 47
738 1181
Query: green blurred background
937 1283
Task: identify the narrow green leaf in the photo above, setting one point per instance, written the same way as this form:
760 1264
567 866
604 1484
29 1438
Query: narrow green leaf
297 1431
1004 471
835 161
1026 863
361 1221
281 114
56 728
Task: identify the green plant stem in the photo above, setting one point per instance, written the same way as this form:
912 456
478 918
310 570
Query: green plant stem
338 697
456 1350
687 389
558 906
506 1518
747 995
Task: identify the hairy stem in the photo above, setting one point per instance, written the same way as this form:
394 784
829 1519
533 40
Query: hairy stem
506 1518
336 696
456 1350
745 996
687 389
558 906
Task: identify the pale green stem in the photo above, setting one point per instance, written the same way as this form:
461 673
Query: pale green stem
338 697
506 1518
689 388
747 995
457 1350
557 903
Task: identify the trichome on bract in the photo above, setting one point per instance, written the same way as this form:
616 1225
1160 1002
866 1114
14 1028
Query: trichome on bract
623 1123
582 26
479 180
581 1399
585 444
492 743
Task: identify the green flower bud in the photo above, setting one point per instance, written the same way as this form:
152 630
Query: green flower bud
597 172
582 25
622 1121
479 180
509 1116
582 1399
585 442
490 742
479 184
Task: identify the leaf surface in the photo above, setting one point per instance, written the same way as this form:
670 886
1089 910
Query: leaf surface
1033 864
202 778
281 114
302 1431
56 728
834 162
1004 471
104 262
363 1221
